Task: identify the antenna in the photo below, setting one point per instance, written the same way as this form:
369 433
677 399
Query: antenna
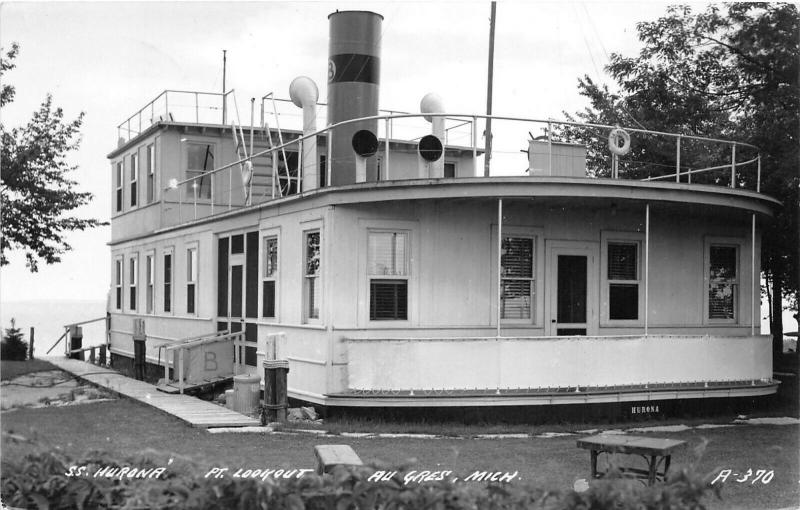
488 155
224 101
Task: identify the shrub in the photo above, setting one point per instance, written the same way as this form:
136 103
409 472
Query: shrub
13 346
41 480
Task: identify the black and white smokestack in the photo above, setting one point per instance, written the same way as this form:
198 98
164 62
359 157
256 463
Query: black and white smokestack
353 83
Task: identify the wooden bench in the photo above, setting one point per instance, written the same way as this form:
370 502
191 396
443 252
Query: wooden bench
330 455
654 450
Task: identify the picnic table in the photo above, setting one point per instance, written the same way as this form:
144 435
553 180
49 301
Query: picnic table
654 450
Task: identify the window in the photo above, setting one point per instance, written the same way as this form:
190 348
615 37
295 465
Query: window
118 284
449 169
133 280
387 269
722 282
167 282
199 161
119 183
623 281
191 280
287 172
134 179
312 293
517 278
151 173
149 282
270 276
323 170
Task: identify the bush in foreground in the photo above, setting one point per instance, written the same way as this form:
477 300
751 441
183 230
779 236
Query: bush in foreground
41 480
13 346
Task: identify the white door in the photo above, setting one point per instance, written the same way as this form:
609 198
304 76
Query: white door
572 288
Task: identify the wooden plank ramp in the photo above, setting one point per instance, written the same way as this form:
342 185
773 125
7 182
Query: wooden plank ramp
193 411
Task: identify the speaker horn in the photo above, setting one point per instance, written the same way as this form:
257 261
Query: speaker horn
430 148
365 143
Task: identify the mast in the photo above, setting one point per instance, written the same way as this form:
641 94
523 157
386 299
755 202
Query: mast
488 156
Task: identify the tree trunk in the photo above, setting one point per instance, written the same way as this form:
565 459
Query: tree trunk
776 324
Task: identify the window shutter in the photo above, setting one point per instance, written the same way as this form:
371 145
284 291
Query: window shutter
517 257
388 300
721 301
516 299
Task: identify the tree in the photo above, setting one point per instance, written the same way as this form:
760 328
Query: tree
730 72
37 194
13 346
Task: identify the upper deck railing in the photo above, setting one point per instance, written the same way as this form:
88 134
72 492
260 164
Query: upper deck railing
516 151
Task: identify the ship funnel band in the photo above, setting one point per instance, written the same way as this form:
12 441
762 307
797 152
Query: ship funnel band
354 67
430 148
303 91
431 103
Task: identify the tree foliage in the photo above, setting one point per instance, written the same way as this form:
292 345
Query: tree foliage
37 194
13 346
729 72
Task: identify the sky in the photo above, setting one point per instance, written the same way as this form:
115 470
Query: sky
108 59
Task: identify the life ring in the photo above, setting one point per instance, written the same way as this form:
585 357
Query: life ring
613 141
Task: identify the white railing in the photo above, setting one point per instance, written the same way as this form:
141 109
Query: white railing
180 352
219 190
177 106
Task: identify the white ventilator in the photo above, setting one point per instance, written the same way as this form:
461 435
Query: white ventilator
304 94
432 103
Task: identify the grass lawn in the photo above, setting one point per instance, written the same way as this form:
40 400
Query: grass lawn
126 428
11 369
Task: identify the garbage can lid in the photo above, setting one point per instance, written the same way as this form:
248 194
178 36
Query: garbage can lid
246 378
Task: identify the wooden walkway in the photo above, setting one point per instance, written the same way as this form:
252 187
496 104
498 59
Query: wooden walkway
195 412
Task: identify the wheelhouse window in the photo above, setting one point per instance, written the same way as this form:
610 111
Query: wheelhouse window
387 269
623 281
134 179
723 282
287 172
270 276
199 161
151 173
118 284
167 282
119 184
191 280
149 282
517 277
312 291
133 279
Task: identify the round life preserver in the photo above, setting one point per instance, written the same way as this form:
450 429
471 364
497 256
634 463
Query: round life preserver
613 141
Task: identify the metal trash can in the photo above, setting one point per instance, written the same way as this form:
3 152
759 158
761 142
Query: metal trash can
245 393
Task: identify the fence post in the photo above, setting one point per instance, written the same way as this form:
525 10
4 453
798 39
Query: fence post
75 341
678 160
30 345
733 165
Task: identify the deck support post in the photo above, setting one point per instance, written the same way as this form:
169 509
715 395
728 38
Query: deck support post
276 400
75 342
756 301
499 260
646 266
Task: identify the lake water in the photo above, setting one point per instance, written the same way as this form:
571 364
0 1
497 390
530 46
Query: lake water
48 319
